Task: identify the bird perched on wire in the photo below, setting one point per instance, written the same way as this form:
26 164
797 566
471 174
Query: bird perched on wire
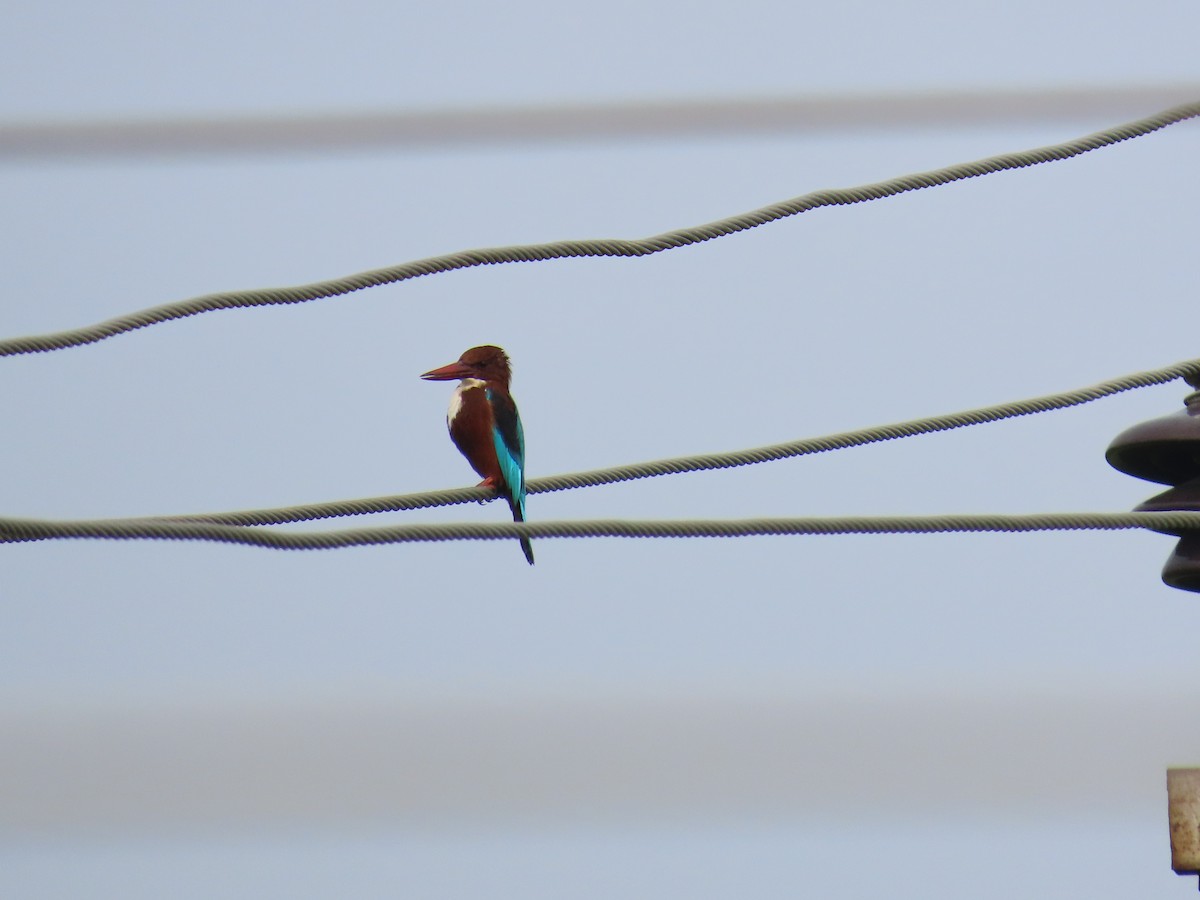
485 426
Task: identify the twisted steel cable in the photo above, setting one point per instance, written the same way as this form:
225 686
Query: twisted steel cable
23 530
1188 370
612 247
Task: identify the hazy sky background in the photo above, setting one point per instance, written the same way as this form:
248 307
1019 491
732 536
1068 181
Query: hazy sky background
969 715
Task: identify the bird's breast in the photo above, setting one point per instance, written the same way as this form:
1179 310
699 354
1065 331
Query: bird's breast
471 427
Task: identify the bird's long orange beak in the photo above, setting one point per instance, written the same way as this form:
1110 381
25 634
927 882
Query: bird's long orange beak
448 373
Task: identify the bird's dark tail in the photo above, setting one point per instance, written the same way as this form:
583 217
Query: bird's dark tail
526 546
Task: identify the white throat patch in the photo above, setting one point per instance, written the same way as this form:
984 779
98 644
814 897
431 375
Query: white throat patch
456 399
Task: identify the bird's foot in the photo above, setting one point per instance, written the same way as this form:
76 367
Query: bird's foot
489 482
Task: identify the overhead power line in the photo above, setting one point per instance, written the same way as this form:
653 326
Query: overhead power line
704 462
223 526
325 133
22 530
593 248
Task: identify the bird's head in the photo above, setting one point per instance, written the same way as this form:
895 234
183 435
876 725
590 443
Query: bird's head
486 363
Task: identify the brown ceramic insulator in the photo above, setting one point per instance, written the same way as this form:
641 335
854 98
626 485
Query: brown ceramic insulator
1167 450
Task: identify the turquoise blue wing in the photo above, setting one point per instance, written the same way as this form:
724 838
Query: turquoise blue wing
509 439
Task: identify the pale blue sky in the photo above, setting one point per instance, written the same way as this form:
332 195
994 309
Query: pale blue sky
1004 287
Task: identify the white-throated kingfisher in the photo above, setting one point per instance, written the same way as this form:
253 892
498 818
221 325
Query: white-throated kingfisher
485 426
